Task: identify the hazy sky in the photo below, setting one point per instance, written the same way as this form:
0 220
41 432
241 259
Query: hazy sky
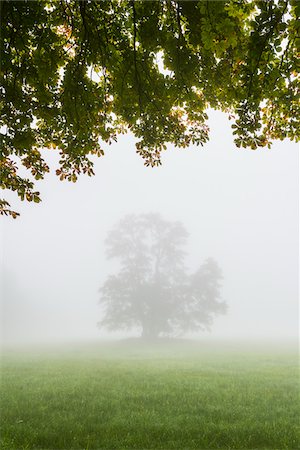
239 206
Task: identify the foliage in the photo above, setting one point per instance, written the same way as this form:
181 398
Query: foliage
152 290
75 74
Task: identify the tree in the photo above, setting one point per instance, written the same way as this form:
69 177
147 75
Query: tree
152 290
76 73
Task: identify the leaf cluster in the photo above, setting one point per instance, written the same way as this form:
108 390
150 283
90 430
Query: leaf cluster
75 74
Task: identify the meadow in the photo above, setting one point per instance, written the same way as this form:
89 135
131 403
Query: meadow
136 395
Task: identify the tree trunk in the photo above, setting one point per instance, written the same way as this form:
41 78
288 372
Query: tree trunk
149 333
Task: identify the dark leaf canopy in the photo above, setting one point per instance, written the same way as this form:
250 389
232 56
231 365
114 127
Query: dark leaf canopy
75 74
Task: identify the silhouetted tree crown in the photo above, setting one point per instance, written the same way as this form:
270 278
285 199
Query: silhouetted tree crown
152 290
75 74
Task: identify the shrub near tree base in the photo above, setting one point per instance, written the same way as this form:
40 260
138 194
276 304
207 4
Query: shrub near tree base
152 290
75 74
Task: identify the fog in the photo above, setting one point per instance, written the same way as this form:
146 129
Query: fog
239 206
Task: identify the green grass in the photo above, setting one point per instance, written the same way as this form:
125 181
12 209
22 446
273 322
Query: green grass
133 395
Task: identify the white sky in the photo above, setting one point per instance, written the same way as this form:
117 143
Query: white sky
240 207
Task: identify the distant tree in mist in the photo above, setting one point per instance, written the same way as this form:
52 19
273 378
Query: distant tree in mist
152 290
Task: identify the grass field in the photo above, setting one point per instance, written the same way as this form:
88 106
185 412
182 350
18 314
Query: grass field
133 395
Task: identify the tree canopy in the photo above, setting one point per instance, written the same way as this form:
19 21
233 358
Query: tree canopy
75 74
152 290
